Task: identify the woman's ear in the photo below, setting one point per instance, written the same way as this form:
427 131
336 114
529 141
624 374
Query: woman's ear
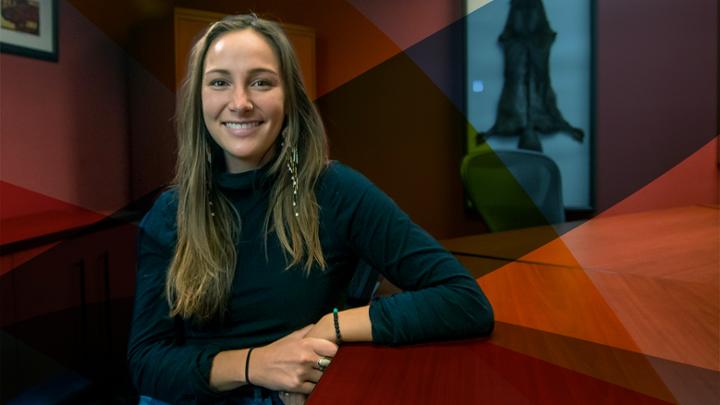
283 132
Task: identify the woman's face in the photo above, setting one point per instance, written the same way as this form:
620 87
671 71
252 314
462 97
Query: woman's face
243 98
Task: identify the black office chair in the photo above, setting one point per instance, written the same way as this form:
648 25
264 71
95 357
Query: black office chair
513 189
363 285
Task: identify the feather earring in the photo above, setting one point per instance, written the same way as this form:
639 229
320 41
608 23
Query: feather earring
292 165
208 155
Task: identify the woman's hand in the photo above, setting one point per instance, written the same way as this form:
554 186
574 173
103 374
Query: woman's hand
290 363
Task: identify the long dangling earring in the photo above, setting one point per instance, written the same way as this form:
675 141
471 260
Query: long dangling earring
208 154
292 164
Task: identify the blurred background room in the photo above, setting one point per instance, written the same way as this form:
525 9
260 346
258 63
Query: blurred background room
566 151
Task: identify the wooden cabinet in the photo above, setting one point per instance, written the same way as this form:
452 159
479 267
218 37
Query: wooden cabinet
190 24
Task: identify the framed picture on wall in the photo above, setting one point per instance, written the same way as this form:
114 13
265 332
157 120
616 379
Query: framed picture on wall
530 85
29 28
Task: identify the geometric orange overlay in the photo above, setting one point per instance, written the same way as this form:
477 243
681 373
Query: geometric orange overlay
640 307
620 307
632 299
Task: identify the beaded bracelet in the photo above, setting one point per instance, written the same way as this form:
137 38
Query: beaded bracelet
338 336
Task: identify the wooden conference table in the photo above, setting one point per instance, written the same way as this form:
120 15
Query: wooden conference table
619 309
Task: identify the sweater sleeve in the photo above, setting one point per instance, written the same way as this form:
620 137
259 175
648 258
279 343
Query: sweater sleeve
160 366
440 299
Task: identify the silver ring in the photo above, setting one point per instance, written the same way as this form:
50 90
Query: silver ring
323 363
285 394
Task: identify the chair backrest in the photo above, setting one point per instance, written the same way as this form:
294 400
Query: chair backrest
363 285
513 188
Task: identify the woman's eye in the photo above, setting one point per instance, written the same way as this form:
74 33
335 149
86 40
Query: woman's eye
261 83
218 83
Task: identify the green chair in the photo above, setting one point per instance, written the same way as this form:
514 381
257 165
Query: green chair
513 189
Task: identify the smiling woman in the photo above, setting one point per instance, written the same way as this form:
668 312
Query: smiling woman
243 263
243 98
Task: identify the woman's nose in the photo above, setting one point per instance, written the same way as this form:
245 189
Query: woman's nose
240 101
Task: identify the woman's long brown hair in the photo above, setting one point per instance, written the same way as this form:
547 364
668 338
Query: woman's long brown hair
202 270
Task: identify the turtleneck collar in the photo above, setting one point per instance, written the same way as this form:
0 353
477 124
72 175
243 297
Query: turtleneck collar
249 180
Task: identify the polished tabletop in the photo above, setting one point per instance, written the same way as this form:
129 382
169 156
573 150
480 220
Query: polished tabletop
619 309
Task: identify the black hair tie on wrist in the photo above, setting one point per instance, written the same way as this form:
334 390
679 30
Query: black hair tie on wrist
338 336
247 366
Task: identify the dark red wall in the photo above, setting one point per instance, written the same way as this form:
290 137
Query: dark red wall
64 125
657 67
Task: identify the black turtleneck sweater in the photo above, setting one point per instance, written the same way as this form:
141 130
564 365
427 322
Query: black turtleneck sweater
170 359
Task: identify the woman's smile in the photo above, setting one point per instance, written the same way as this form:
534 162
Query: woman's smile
242 128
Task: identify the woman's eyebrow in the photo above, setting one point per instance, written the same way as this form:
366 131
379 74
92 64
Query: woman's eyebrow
263 70
251 72
218 71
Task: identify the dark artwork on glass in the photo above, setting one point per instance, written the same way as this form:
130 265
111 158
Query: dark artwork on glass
29 28
21 16
528 105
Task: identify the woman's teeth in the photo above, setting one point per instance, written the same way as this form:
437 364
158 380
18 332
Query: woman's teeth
242 125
